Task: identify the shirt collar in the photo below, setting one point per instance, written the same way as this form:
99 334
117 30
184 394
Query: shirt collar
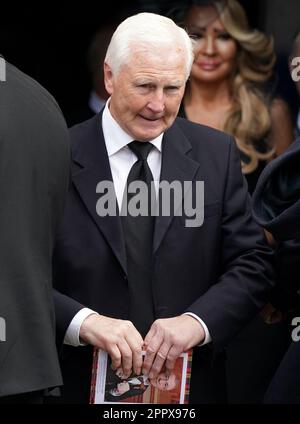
116 138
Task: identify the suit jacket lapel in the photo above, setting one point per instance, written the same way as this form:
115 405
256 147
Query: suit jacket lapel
176 166
92 157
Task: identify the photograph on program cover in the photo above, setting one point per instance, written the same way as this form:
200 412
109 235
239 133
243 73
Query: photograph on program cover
109 386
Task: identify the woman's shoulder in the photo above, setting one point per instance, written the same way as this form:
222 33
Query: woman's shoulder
279 107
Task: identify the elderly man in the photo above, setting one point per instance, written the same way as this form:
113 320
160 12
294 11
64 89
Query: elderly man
156 279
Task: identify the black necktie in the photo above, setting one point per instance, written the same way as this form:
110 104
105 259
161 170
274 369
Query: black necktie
138 234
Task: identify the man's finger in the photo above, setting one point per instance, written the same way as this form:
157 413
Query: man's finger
126 359
151 351
173 354
159 360
135 342
149 336
137 358
115 356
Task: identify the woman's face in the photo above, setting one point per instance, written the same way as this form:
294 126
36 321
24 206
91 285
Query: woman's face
215 50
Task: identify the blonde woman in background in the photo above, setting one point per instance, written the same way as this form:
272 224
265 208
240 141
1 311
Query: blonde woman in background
228 90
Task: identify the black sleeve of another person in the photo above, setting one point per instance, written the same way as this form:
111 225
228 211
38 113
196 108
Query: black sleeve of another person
34 178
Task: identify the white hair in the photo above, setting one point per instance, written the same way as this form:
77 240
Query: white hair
147 30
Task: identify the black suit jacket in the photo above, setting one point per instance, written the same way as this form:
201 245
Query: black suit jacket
276 207
220 271
276 201
34 178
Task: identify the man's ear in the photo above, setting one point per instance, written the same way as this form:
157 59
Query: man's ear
108 78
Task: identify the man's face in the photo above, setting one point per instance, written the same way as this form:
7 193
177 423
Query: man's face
146 93
165 381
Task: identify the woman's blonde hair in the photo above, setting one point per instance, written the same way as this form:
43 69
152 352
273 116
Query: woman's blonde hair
249 119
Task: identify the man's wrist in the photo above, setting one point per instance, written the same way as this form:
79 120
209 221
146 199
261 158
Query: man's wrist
72 336
207 337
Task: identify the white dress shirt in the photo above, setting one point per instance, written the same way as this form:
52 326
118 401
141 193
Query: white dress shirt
121 158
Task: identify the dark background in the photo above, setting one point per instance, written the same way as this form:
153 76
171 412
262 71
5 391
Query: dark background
49 42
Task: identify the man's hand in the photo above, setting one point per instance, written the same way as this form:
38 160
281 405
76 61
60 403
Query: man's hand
167 339
119 338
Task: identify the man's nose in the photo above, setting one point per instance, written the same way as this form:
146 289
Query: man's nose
157 101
